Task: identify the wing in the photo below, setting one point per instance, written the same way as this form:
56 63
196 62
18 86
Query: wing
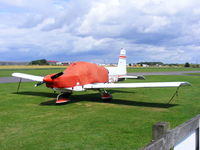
135 85
28 76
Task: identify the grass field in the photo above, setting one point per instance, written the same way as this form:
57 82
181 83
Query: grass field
30 120
44 70
34 71
198 74
29 66
162 69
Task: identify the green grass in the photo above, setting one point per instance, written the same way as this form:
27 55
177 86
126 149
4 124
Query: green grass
30 120
34 71
198 74
162 69
45 71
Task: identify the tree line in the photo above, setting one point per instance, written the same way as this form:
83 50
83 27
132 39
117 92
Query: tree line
39 62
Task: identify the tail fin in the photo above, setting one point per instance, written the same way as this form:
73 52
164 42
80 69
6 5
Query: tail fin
122 62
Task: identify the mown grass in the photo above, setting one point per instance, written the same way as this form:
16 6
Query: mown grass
30 120
6 71
33 71
44 70
194 74
162 69
29 66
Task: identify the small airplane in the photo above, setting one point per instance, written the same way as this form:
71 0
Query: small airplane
81 76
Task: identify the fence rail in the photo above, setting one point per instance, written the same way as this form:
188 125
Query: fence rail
166 139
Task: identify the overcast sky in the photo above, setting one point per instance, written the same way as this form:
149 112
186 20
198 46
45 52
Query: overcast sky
95 30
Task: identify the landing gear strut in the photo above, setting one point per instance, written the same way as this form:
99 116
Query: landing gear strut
105 96
63 98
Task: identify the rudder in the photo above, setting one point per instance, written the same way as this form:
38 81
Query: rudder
122 62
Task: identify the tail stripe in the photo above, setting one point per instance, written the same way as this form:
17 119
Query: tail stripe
122 57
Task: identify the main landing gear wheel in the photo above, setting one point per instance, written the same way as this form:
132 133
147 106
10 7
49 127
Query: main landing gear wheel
105 96
63 98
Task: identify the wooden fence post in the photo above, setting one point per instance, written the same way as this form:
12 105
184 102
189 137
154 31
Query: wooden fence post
159 129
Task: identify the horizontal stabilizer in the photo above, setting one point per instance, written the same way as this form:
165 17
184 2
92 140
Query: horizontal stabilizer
28 76
135 85
131 77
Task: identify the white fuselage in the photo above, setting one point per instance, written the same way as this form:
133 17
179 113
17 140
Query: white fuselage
115 72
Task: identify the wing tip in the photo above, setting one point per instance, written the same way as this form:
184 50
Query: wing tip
15 74
185 84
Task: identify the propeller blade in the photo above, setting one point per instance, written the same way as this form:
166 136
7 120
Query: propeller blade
39 83
57 75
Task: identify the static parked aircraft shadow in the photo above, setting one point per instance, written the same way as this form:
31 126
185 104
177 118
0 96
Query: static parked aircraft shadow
41 94
120 91
95 97
50 103
142 104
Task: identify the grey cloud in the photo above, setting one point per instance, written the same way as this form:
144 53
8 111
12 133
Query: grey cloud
145 28
32 20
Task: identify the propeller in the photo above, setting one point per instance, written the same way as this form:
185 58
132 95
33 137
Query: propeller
51 78
56 75
39 83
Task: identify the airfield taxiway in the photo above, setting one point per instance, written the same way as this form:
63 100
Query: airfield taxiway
14 79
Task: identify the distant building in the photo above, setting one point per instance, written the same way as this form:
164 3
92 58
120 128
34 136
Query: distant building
145 65
52 62
158 65
65 63
62 63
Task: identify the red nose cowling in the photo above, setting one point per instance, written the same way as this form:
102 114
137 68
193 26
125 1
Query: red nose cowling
79 73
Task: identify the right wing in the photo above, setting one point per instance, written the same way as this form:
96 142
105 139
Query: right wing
135 85
28 76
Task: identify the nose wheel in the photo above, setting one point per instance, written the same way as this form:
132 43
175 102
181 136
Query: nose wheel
63 98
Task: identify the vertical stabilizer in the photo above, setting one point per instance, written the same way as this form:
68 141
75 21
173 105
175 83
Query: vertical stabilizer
122 62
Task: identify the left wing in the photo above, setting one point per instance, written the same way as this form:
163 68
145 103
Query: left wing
28 76
135 85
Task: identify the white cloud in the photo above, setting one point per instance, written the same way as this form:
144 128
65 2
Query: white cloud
158 29
31 4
